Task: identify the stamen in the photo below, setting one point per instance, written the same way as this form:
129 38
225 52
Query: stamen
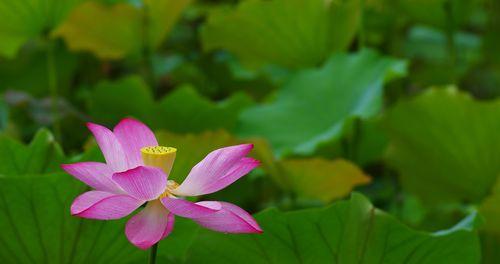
170 186
159 156
166 193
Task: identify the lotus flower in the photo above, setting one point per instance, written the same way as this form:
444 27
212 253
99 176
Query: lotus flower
136 172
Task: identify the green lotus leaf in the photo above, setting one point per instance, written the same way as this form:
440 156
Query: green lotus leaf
347 232
290 33
316 105
25 19
445 145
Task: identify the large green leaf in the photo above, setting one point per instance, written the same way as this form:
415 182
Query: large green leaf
175 247
42 155
110 101
114 31
445 145
29 71
346 232
291 33
21 20
315 105
183 110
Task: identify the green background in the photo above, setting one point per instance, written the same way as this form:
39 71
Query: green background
377 124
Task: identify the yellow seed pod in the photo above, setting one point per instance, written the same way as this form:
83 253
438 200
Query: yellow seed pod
160 157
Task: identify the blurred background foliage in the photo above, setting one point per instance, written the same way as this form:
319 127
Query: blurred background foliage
396 100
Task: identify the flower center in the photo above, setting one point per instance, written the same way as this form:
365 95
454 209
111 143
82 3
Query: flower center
168 191
158 150
159 156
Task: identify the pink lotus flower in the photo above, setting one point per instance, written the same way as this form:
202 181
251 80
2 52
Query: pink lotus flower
136 172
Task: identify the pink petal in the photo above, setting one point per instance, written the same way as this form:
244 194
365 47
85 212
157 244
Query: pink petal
95 174
134 135
149 226
104 205
143 183
229 219
217 170
188 209
170 225
110 147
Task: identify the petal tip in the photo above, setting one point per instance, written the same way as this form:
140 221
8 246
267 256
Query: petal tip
131 121
258 230
245 147
250 146
90 125
77 214
93 126
256 162
254 228
126 120
73 209
253 163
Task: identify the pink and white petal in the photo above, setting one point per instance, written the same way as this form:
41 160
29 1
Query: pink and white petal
187 209
229 219
217 170
104 205
143 183
110 147
240 169
134 135
95 174
150 225
170 225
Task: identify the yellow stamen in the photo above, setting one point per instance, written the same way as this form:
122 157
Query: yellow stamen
159 156
170 186
164 194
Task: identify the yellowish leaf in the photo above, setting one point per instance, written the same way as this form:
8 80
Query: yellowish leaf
114 31
323 179
162 16
108 31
